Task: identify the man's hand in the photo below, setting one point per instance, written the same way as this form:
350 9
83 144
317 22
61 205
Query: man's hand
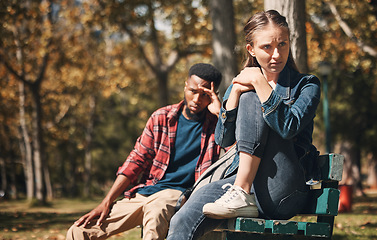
101 210
215 105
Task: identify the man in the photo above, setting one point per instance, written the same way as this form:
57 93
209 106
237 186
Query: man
176 146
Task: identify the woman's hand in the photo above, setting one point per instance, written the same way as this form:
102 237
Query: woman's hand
248 78
252 78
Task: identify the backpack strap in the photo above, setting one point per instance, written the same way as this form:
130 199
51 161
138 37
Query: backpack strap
215 172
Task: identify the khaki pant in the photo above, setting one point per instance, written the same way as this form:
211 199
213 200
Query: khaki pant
153 212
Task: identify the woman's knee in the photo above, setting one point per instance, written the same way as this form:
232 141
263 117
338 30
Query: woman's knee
247 98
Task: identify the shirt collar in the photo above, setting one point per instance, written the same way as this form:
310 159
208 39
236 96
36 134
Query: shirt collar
175 111
173 115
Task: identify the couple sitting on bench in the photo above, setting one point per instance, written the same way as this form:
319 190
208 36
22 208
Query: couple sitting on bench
268 111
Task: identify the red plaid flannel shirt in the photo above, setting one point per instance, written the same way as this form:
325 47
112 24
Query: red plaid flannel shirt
149 159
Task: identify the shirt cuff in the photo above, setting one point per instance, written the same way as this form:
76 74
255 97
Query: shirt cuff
271 103
228 116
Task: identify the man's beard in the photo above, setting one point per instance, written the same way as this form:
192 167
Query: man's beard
193 116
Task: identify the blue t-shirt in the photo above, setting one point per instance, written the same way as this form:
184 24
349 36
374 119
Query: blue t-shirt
180 173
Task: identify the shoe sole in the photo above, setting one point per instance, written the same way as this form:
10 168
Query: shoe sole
214 212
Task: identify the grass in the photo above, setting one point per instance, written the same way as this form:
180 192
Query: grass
20 222
361 223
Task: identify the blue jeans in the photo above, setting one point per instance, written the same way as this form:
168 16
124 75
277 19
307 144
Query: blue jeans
189 222
279 185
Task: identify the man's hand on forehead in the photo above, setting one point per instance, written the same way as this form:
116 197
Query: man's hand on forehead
214 106
207 89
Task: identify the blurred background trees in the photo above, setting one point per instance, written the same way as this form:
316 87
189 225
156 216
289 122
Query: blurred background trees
79 79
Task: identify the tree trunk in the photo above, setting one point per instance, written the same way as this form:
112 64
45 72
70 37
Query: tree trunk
37 145
351 167
372 171
47 181
73 173
163 88
88 152
25 143
12 176
25 146
295 12
223 40
4 183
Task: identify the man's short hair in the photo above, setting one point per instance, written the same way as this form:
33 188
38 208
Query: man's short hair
207 72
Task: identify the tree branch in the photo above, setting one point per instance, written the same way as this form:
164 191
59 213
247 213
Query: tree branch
347 30
140 48
11 70
44 66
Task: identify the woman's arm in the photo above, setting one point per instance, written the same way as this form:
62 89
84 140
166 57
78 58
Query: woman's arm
289 119
248 79
225 127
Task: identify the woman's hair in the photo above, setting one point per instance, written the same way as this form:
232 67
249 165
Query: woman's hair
259 21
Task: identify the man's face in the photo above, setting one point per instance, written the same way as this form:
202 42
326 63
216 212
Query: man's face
196 99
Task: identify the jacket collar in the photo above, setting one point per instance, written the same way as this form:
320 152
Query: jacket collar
283 86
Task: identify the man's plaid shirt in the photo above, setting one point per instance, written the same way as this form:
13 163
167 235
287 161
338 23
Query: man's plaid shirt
149 159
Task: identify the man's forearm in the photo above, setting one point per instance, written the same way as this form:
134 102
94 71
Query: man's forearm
119 186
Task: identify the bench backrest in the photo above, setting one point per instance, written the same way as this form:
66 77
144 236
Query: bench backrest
325 199
331 166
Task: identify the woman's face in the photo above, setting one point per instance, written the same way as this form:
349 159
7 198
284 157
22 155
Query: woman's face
270 48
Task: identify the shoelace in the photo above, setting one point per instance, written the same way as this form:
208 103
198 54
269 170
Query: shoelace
231 193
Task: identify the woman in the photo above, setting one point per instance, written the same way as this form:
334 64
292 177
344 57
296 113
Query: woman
268 110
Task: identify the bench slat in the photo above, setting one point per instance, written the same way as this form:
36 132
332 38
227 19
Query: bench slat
280 227
315 229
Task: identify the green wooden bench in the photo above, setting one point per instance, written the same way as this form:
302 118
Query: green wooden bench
323 204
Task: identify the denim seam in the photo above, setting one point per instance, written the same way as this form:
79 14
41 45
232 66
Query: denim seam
201 219
273 107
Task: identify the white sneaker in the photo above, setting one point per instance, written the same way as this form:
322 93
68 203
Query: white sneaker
234 203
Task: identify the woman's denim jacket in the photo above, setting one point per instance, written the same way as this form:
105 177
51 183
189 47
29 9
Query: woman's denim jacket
289 111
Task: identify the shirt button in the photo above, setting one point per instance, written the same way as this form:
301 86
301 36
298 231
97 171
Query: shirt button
262 109
223 115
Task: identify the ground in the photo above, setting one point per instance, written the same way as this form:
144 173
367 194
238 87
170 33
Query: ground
20 222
